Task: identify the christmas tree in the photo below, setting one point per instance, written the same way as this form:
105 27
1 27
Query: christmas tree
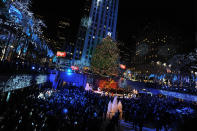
105 58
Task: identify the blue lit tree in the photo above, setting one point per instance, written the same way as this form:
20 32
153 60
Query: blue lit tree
23 30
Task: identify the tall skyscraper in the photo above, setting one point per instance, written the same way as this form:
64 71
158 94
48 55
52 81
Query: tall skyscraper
98 21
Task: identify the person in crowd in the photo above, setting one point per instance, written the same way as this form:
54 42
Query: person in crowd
73 108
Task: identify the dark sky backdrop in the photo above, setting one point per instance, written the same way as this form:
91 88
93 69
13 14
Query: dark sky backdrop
173 15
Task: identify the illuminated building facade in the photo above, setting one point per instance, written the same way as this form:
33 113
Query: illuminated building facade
154 47
65 41
100 20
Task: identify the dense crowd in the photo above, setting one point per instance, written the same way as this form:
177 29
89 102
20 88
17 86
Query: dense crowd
73 108
67 108
158 111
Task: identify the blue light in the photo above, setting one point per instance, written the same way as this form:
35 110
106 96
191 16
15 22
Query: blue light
33 67
27 32
8 97
3 37
65 111
25 50
95 114
18 49
175 78
54 59
152 75
34 37
69 70
15 14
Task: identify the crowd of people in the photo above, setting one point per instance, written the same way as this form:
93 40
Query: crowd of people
69 108
158 111
72 108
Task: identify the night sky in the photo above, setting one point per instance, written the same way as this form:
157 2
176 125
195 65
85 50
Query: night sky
173 16
54 11
169 15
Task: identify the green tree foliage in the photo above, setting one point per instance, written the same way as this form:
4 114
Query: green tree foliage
105 58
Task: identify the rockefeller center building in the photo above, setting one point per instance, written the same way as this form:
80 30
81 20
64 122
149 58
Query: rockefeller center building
99 20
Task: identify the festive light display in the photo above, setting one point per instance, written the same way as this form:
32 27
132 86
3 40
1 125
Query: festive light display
108 84
74 68
22 81
21 19
15 14
122 66
86 22
105 58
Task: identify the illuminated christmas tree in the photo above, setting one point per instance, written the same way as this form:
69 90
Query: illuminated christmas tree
105 58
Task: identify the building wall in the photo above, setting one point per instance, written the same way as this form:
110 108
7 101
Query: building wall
153 49
101 22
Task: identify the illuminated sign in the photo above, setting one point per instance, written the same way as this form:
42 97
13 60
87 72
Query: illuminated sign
122 66
75 68
61 54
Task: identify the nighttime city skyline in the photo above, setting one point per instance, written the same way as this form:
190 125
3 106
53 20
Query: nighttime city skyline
98 65
176 19
133 18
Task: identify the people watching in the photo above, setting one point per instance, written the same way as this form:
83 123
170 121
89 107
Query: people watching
73 108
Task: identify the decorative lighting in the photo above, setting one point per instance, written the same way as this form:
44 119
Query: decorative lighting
69 70
61 54
122 66
65 111
75 68
33 68
109 34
